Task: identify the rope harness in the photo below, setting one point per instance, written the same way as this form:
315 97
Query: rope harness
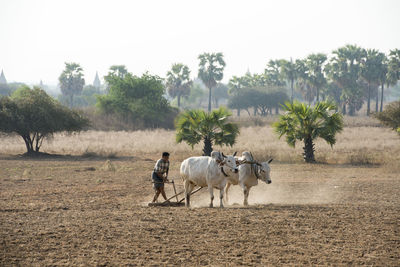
255 168
221 163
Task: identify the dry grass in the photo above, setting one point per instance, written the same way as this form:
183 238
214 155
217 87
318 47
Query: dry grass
356 145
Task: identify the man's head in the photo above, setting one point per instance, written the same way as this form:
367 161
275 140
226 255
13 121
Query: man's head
165 156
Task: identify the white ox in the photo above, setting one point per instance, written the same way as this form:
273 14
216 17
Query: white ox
207 171
250 172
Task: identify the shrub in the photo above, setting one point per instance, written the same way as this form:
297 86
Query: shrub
391 116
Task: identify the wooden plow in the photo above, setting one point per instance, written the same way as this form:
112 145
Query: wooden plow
177 203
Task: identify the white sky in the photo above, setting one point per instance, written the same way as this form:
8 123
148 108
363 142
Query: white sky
37 37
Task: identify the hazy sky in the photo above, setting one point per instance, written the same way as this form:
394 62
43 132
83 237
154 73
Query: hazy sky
37 37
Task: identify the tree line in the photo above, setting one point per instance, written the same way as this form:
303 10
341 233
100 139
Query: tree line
349 76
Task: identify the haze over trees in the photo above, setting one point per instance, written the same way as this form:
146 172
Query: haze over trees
351 76
211 71
178 82
71 81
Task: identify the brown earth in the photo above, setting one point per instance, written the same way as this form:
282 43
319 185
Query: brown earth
71 211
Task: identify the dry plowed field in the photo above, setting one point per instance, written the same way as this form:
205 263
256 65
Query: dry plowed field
73 211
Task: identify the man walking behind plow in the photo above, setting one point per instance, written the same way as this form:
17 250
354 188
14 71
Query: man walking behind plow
160 176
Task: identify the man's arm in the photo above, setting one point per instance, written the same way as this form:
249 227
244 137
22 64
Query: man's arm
166 175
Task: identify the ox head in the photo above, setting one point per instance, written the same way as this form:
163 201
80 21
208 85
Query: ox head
263 170
227 161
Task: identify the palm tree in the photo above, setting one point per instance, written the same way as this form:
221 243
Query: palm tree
303 81
71 81
344 69
288 70
301 122
393 73
273 74
213 128
316 76
370 71
211 71
178 81
383 79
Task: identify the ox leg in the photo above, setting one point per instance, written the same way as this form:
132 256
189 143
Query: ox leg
188 189
226 193
221 197
246 191
211 191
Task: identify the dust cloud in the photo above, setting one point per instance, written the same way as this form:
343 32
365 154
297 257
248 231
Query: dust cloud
275 193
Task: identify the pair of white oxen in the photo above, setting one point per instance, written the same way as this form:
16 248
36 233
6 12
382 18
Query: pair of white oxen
220 171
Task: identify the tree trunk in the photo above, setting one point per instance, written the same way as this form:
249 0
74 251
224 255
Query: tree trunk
216 102
344 109
238 112
39 141
255 111
179 101
352 109
377 100
382 86
317 94
308 150
276 110
209 99
369 99
207 147
28 144
291 86
71 99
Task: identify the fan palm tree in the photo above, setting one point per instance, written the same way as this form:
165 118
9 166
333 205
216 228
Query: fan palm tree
288 70
316 76
178 81
303 81
304 123
71 81
213 128
344 69
370 68
383 72
273 73
211 71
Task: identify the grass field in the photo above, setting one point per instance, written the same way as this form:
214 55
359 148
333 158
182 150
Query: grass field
73 209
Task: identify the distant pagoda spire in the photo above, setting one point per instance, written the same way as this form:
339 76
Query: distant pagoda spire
41 84
2 78
96 82
248 71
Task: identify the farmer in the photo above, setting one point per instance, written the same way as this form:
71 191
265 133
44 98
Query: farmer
160 176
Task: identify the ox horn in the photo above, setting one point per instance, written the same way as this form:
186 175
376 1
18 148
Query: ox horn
269 161
234 154
223 154
251 155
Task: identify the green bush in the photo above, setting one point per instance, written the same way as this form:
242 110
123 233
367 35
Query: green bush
138 100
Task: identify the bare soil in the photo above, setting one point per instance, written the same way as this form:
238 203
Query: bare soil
76 211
